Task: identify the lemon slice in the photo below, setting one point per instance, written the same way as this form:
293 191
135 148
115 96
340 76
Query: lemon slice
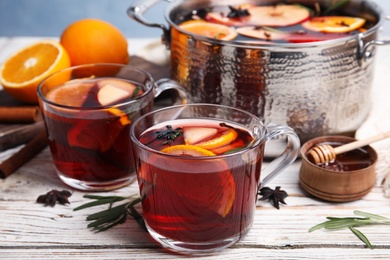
212 30
334 24
190 150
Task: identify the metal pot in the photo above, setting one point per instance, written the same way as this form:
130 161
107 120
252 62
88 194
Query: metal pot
316 88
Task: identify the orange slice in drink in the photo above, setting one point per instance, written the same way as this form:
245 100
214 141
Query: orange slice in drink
21 73
225 138
187 150
98 133
205 183
334 24
212 30
73 93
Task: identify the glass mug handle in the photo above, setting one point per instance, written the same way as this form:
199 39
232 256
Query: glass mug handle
286 158
165 84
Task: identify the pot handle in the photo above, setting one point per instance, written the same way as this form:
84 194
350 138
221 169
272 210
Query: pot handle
365 52
136 10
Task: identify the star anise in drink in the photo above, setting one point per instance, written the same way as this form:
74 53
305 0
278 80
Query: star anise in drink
54 196
275 196
237 12
169 134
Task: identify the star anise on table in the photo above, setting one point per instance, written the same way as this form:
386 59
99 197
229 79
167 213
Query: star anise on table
276 196
54 196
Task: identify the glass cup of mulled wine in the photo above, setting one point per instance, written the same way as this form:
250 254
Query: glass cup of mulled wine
88 111
199 169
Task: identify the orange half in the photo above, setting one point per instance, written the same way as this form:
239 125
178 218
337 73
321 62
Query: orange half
21 73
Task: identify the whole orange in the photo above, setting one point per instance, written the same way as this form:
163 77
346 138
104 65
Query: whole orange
94 41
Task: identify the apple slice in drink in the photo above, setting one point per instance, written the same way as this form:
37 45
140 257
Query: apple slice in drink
97 133
112 91
193 135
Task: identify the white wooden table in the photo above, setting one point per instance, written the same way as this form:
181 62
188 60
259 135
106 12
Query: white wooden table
31 231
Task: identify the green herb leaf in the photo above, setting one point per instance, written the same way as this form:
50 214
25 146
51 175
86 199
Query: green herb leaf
365 219
362 237
114 215
369 215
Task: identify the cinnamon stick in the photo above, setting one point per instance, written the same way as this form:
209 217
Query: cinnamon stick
18 135
31 149
27 114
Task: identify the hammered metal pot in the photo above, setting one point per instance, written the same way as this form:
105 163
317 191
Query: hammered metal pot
319 88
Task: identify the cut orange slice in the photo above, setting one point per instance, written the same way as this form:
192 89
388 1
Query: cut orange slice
204 183
73 93
212 30
189 150
225 138
100 134
123 117
234 145
21 73
334 24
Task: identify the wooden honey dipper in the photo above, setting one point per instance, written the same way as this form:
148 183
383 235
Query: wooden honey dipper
325 153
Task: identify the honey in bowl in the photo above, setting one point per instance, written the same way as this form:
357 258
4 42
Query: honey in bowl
349 161
350 177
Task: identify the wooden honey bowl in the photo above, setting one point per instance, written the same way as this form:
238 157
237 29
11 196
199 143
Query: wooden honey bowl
333 185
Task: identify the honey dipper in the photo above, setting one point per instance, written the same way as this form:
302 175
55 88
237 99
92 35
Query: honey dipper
326 153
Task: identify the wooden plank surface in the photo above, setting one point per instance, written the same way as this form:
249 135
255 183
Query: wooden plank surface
31 231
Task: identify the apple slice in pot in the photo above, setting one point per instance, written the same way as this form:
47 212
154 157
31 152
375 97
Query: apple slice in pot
273 16
262 33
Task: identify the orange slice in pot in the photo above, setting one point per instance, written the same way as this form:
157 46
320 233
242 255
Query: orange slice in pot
334 24
212 30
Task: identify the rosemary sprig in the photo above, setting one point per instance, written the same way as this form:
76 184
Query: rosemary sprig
114 215
363 219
